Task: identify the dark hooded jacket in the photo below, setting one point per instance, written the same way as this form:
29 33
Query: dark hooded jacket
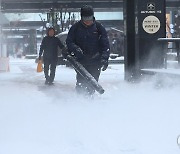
92 40
49 47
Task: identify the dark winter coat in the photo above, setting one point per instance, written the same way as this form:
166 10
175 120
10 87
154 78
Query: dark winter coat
92 40
49 47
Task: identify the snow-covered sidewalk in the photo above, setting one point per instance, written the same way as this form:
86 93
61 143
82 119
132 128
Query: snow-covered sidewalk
128 118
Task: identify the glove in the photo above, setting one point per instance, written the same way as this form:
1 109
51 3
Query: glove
79 53
104 64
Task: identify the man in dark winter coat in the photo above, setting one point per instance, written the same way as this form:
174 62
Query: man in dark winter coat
87 40
49 49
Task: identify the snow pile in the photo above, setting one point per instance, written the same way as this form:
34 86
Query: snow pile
128 119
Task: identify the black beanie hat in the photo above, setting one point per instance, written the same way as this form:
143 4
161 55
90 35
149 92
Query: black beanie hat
87 12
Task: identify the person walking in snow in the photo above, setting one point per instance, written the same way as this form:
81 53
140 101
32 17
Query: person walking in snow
87 40
49 49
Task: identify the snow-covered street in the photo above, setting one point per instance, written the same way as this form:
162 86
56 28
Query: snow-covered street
139 118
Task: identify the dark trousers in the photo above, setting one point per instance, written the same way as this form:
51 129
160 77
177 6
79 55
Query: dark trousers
82 85
50 64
